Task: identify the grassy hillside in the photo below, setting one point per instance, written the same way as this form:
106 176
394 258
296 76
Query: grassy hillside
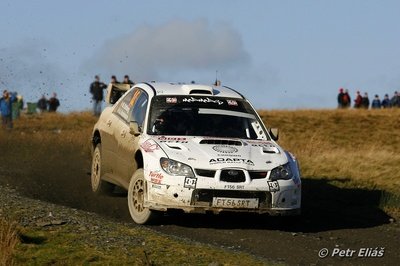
360 145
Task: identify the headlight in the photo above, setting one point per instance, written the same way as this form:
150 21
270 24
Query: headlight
282 172
176 168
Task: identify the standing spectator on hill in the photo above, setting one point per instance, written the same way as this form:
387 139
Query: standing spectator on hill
42 104
6 110
376 102
114 80
346 101
395 101
127 80
54 103
365 101
386 101
96 89
358 100
340 98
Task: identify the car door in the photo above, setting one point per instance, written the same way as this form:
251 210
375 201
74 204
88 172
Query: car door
129 144
121 134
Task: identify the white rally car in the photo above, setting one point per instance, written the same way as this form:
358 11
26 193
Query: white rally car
193 147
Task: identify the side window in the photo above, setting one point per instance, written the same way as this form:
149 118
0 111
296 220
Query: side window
124 106
138 111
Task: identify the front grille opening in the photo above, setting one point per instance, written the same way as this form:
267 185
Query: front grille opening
233 176
205 172
258 174
221 142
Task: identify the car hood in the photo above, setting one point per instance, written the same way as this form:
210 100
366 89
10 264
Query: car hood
218 153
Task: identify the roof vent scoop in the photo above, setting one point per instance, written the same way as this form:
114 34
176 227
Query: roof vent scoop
198 89
200 92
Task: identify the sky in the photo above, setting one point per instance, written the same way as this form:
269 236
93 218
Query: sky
279 54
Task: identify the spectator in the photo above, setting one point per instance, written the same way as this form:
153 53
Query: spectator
386 101
54 103
42 104
358 100
6 110
376 102
340 98
96 89
20 101
346 101
395 101
127 80
114 80
365 101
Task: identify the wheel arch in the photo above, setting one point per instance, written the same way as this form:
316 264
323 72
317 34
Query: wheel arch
96 138
139 159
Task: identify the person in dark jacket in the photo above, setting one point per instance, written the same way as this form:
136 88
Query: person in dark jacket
42 104
386 101
96 89
346 100
358 100
376 102
395 101
365 101
54 103
6 110
127 80
340 98
114 80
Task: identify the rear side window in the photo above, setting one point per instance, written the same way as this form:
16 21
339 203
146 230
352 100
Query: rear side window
138 110
123 107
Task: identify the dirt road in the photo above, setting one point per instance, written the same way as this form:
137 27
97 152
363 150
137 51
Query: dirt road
334 218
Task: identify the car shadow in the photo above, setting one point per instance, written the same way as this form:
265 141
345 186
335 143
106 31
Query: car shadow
324 207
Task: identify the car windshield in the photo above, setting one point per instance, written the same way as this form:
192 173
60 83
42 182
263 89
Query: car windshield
204 116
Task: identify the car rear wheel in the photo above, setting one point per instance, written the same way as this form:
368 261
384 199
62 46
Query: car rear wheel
136 196
99 186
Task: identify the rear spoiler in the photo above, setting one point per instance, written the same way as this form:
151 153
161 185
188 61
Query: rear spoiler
115 91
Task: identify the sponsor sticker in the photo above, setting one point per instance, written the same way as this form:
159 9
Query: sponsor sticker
171 100
232 102
149 146
190 182
173 139
202 100
273 186
156 177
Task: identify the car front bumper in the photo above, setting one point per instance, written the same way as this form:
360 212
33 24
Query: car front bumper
201 199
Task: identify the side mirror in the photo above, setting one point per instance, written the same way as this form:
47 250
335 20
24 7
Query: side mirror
134 128
274 132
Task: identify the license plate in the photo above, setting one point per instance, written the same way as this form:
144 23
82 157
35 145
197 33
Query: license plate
235 203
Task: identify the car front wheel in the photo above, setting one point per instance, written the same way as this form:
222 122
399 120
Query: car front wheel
136 196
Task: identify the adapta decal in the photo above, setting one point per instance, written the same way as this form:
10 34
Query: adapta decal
231 160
